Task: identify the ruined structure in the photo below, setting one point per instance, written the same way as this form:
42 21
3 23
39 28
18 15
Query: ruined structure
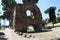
21 21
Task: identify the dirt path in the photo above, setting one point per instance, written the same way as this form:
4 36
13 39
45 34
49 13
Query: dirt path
11 35
38 36
48 35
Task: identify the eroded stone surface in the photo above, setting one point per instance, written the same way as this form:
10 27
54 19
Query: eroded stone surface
21 21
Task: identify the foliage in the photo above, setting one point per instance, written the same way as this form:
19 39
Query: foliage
8 3
59 10
51 8
51 12
8 6
43 22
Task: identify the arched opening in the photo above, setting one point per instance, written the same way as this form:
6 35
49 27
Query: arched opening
30 14
30 28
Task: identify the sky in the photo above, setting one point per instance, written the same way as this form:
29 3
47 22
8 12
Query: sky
43 5
1 9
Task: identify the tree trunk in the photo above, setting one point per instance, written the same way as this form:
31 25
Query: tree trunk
53 24
10 23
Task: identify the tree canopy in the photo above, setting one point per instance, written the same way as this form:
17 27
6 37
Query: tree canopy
8 6
51 12
59 10
51 8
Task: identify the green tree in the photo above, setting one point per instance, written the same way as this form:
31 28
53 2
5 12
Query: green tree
51 12
0 21
8 7
59 10
58 14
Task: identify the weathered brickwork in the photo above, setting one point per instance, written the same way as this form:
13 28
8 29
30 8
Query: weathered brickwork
21 21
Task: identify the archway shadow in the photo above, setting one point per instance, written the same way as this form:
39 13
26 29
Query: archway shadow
48 29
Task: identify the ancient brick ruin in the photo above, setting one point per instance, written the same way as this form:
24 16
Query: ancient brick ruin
21 21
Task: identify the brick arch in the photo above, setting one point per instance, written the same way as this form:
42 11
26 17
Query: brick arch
37 22
20 20
33 8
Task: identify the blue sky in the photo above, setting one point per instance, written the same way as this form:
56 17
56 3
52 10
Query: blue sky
43 5
1 8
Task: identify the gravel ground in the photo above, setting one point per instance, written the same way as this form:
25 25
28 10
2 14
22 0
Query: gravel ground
11 35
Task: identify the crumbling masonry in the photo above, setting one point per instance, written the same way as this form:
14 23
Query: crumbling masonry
21 21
